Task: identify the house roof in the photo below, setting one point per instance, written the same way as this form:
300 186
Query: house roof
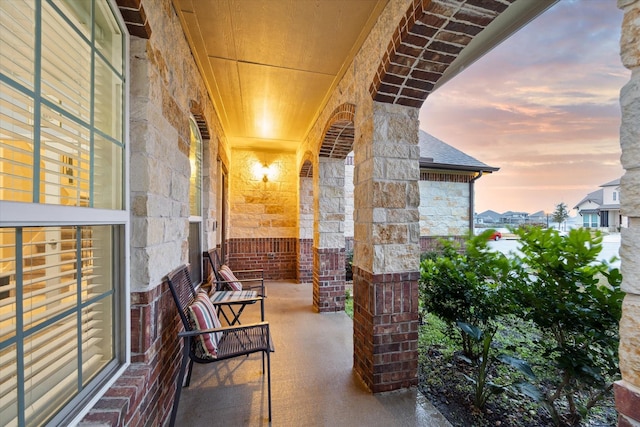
489 214
611 207
594 196
614 183
437 154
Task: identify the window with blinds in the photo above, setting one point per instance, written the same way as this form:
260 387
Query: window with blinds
62 151
195 202
56 316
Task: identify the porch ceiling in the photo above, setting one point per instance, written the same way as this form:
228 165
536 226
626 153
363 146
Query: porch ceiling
270 66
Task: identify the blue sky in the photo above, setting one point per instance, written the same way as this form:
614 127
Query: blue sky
543 107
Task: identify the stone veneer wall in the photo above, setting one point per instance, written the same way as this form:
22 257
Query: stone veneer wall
628 389
261 209
444 204
165 88
305 242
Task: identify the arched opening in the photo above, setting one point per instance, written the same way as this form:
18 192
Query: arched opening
329 240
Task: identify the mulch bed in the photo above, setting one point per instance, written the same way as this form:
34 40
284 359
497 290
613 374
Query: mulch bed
442 382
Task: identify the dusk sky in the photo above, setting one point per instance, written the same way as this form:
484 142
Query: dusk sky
543 107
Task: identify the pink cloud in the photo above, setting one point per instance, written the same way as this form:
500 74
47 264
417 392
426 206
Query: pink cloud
543 106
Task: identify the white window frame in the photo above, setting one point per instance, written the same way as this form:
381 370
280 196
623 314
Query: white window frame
17 214
197 219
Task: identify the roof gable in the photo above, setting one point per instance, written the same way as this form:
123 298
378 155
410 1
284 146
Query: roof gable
435 153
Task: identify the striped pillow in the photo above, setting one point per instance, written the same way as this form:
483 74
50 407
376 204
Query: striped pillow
203 316
230 278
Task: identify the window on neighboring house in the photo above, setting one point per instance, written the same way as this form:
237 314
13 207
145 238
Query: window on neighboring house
590 220
615 196
62 228
195 202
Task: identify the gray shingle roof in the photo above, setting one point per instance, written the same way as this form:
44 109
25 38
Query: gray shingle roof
594 196
613 183
435 153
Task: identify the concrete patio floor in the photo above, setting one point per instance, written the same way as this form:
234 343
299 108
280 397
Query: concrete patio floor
312 379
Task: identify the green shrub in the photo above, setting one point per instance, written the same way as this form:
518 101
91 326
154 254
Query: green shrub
465 286
558 285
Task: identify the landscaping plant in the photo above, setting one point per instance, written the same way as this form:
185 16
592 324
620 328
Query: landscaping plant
483 388
576 301
465 285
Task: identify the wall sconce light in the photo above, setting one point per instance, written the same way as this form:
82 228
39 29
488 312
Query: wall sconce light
262 171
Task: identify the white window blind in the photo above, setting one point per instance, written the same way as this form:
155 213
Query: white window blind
62 151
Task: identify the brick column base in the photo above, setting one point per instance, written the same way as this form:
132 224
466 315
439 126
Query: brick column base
305 261
328 279
627 404
385 323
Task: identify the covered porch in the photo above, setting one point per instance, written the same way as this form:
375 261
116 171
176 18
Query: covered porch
312 376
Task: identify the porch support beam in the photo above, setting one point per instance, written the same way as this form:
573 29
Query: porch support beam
329 244
386 248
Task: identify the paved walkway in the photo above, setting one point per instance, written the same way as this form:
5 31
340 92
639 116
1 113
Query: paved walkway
312 377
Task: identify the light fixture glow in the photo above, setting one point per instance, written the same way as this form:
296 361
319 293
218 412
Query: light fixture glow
262 171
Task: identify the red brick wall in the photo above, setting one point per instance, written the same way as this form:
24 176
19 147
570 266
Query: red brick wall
276 256
143 395
328 279
385 322
305 261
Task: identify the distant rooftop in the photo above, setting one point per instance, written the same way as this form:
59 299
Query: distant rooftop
437 154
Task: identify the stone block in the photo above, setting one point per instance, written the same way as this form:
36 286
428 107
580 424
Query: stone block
629 349
630 37
630 191
630 128
389 195
630 265
402 169
390 233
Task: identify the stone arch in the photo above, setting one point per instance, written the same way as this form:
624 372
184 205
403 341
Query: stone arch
196 112
329 241
426 42
338 134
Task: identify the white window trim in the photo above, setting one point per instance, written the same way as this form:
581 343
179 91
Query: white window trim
14 214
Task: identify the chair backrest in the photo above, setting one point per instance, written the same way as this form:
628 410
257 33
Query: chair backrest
183 292
214 263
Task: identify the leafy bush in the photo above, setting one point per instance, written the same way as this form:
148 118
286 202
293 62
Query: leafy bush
555 285
465 286
558 286
348 266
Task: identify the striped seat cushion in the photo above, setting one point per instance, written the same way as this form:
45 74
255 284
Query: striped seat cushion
228 276
203 316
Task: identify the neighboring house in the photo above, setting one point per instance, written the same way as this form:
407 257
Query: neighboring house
539 217
510 217
488 217
601 208
447 176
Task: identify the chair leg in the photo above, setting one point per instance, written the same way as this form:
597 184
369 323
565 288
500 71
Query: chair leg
269 381
183 366
186 384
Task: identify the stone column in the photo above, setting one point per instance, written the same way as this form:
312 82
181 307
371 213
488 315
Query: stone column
328 251
304 272
627 390
386 249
